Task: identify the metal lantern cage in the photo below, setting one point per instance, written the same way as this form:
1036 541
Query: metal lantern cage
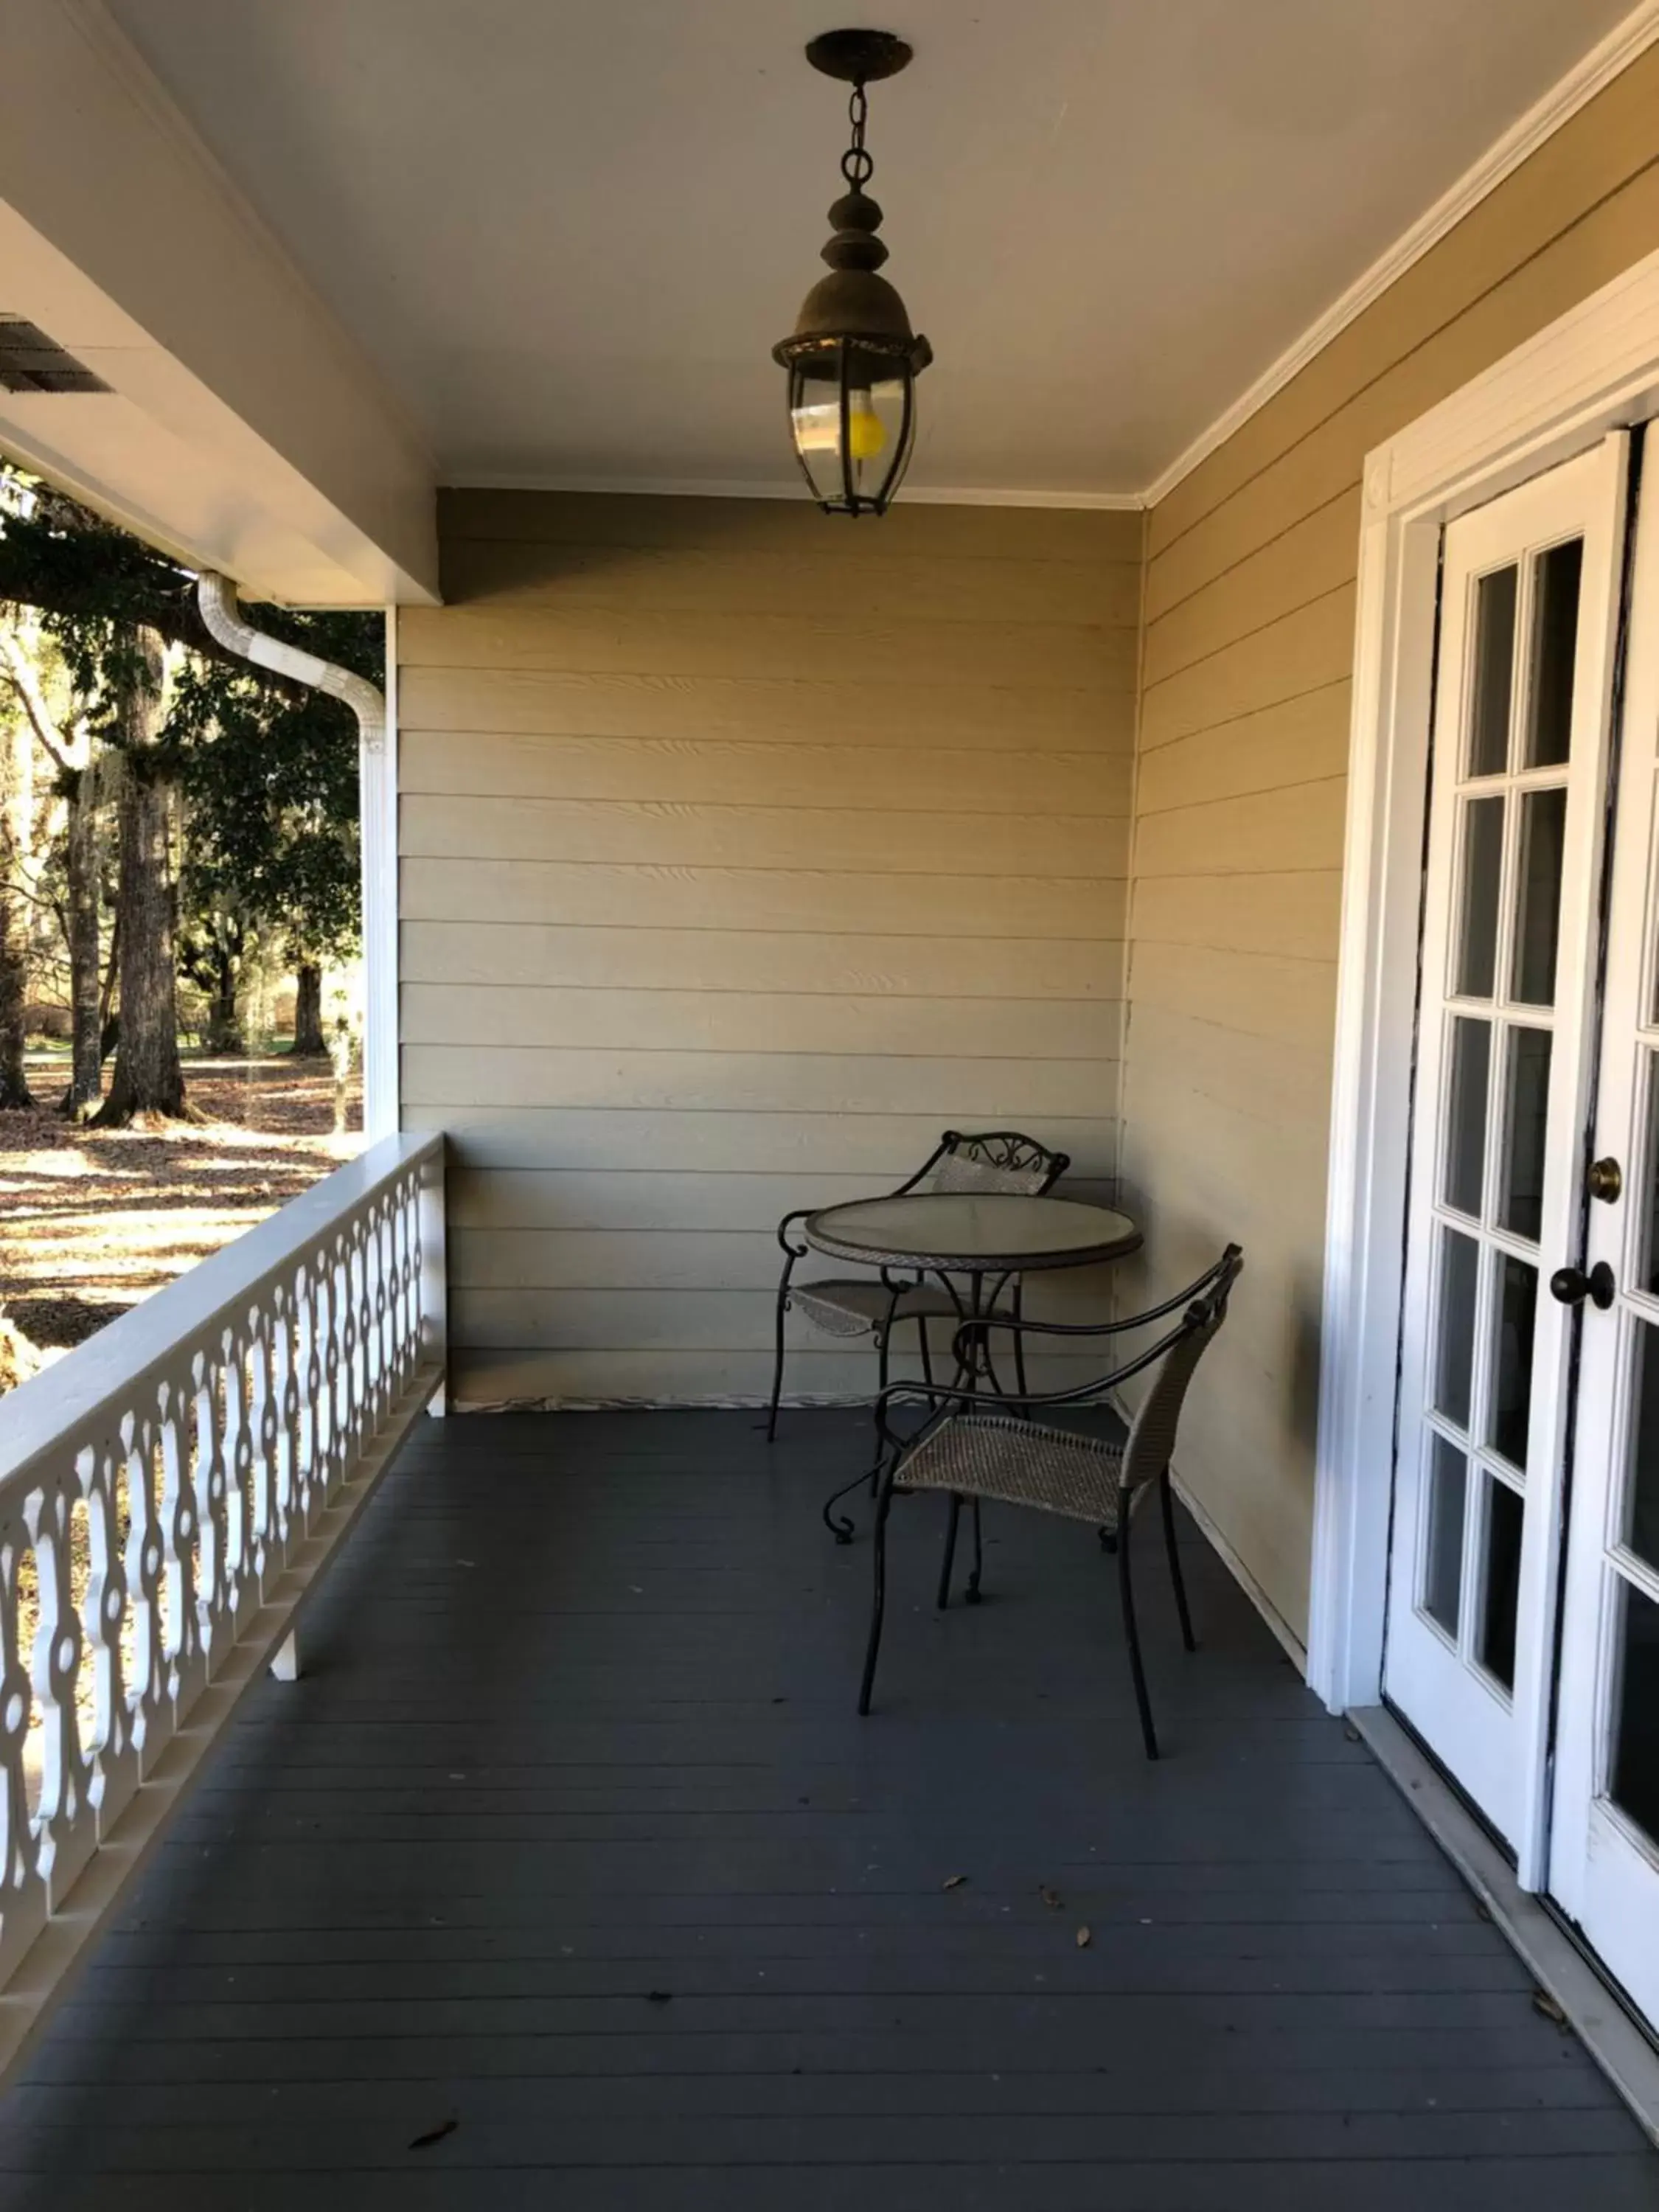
853 358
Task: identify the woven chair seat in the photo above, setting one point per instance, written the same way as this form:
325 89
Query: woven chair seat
852 1306
1017 1463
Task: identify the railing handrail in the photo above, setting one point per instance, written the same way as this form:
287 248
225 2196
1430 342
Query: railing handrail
100 1377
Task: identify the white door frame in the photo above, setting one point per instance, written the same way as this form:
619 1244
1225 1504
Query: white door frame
1594 370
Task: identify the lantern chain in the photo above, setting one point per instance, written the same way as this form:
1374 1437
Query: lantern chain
856 165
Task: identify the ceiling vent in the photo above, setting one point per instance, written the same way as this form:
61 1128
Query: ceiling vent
31 361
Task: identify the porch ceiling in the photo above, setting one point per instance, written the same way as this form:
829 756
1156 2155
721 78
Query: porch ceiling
568 233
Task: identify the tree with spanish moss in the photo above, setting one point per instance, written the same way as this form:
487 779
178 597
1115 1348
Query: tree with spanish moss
254 775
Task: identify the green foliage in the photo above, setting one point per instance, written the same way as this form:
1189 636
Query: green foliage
271 791
268 769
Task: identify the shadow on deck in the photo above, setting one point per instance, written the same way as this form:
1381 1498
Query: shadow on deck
568 1877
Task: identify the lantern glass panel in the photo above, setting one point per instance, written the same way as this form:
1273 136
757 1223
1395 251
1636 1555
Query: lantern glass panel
853 439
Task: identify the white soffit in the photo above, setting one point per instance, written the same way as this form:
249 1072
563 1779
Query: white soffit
568 233
240 426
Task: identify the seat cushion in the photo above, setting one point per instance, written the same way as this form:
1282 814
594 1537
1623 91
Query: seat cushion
1019 1463
854 1305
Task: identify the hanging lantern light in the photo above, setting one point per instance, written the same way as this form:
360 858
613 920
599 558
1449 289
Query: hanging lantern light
853 358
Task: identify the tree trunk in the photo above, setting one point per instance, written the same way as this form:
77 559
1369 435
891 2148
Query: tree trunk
15 809
309 1042
224 1032
81 868
109 1020
149 1078
13 1082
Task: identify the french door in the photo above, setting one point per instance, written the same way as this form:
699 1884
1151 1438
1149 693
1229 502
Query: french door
1529 616
1523 1610
1604 1832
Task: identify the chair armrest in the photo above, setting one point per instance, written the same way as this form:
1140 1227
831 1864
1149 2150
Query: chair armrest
942 1396
1016 1323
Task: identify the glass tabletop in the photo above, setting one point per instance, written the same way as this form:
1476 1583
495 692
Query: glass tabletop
971 1233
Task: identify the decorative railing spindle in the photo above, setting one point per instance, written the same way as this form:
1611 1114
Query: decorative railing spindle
162 1491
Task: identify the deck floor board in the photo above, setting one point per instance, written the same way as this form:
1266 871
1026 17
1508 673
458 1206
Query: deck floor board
570 1835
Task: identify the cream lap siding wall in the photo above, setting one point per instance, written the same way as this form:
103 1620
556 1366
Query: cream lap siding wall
742 851
1241 792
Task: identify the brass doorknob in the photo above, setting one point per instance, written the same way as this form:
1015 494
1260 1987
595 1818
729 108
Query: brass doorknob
1605 1180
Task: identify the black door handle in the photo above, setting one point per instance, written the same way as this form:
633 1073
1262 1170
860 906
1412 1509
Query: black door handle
1572 1286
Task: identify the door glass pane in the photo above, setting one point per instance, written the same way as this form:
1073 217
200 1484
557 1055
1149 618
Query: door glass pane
1635 1781
1648 1259
1538 908
1501 1590
1494 672
1511 1391
1443 1567
1554 651
1475 963
1520 1201
1460 1276
1466 1114
1642 1495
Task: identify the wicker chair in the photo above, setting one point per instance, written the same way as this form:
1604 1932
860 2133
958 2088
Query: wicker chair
968 1451
871 1305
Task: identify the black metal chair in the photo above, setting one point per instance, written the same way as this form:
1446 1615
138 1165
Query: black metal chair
873 1305
974 1447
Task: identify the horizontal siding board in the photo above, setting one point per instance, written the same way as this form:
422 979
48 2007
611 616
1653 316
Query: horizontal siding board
1298 741
804 647
1258 1078
884 1147
1300 652
1294 1002
1295 916
552 577
760 1022
787 527
811 964
656 1260
1316 554
684 770
809 900
644 1320
943 712
835 841
674 1199
1264 833
755 1081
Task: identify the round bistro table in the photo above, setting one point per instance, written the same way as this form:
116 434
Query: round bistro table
976 1244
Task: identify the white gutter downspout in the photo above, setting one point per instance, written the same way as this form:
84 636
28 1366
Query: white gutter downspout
216 596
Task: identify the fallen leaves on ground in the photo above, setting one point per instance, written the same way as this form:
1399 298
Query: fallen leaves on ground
1051 1897
92 1220
954 1881
1084 1937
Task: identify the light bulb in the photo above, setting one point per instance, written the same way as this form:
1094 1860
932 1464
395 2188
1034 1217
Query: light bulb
866 433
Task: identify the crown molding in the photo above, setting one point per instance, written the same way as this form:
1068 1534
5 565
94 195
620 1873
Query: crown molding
1615 52
742 487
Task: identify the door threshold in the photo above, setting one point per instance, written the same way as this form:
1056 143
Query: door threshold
1592 2010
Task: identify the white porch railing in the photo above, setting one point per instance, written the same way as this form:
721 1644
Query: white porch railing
167 1494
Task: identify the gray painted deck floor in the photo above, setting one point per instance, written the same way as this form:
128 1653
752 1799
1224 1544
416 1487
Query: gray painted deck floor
567 1877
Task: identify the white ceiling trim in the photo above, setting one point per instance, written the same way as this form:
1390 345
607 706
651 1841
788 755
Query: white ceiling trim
740 487
1615 52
